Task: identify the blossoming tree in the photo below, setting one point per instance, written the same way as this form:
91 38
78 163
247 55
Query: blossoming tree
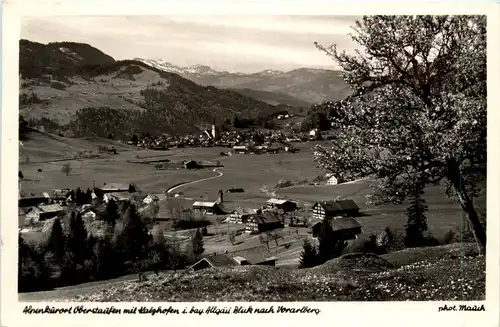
418 112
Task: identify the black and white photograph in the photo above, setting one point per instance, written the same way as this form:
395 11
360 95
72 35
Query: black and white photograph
253 158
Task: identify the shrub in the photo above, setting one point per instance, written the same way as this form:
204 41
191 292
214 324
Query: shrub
449 237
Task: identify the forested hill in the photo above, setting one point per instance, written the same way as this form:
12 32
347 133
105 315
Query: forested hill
101 96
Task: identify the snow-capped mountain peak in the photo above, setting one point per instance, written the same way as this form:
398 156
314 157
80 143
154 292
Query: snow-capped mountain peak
199 70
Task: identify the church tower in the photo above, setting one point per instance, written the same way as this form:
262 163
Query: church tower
214 132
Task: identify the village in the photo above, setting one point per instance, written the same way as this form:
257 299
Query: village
252 141
256 228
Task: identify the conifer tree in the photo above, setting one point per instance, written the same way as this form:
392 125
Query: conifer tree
111 214
197 243
308 257
329 246
417 221
135 236
57 241
77 238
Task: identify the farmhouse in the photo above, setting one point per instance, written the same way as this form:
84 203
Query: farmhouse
241 215
209 208
258 255
262 222
343 229
331 180
33 200
285 205
43 212
61 194
329 209
117 187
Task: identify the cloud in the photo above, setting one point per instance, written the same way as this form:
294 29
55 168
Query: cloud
234 43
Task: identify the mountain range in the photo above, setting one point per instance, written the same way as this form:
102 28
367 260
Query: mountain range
299 87
78 89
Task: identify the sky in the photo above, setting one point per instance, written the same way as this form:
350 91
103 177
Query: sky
232 43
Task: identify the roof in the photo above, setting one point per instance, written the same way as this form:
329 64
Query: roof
245 211
222 260
266 217
344 223
276 201
116 186
204 204
51 208
253 255
339 205
35 196
119 195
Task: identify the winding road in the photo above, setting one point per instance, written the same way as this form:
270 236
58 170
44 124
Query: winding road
197 181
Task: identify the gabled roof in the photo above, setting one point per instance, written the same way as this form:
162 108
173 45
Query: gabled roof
266 217
344 223
276 201
222 260
339 205
204 204
245 211
44 195
254 255
117 186
50 208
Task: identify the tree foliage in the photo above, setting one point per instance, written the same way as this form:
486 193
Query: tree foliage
417 222
197 244
134 235
77 238
308 257
66 169
418 114
57 241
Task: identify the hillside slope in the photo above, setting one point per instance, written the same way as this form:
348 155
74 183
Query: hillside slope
124 97
353 277
38 146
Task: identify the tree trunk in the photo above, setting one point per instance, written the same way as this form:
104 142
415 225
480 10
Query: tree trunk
455 176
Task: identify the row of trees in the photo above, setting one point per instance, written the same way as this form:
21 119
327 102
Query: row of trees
72 254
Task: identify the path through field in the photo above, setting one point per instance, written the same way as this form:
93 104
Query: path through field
197 181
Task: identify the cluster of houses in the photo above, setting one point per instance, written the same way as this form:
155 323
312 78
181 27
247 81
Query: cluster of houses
36 207
340 215
229 139
278 213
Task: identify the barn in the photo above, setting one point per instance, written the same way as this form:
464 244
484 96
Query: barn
329 209
259 255
209 208
342 228
263 222
285 205
43 212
